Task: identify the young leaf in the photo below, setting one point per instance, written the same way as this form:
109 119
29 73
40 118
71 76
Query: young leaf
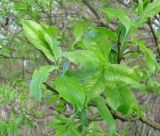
71 90
39 76
106 114
41 39
64 126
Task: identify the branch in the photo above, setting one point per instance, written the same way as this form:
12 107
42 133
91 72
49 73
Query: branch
92 9
50 88
11 57
154 36
146 120
101 23
119 49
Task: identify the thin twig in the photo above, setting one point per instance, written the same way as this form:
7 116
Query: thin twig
100 22
50 88
154 36
12 57
119 49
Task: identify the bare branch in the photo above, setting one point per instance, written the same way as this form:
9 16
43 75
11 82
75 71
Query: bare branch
100 22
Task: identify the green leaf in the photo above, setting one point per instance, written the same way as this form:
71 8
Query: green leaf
97 40
150 57
79 29
20 6
85 58
52 31
41 39
98 33
121 73
107 32
120 14
94 85
140 7
82 74
151 9
119 96
146 2
64 126
84 119
38 78
71 90
106 114
57 51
